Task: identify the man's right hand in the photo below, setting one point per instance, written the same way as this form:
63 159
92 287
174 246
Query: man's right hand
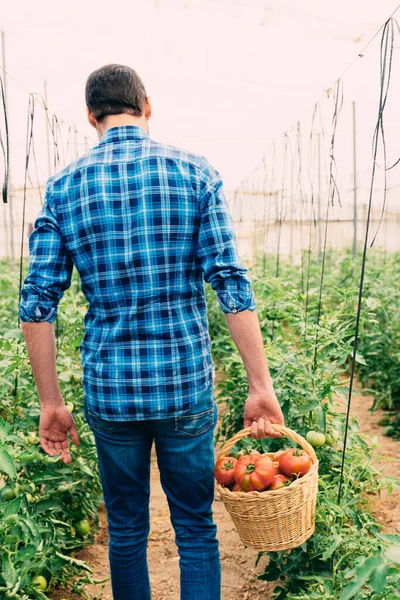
55 423
262 409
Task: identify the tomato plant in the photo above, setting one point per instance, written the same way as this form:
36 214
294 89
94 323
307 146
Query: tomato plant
41 499
309 364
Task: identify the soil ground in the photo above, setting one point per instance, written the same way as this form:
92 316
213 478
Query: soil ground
239 574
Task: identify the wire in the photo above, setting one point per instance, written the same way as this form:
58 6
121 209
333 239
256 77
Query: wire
385 77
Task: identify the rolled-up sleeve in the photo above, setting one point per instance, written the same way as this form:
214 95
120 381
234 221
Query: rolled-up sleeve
217 248
50 268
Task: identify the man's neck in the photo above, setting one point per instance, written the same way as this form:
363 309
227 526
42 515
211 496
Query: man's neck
120 121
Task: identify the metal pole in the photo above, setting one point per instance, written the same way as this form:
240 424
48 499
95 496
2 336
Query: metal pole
319 196
354 181
291 211
47 130
3 49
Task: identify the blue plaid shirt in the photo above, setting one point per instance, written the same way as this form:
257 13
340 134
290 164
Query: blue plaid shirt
144 224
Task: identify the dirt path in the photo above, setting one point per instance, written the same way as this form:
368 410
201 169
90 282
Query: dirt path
239 575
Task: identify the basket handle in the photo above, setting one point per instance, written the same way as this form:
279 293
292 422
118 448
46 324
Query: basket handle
280 429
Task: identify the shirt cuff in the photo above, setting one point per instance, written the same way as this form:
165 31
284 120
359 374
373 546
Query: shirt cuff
37 312
234 302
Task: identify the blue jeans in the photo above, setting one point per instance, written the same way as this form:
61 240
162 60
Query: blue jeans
185 455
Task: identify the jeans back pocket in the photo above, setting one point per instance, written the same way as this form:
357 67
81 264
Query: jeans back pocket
196 424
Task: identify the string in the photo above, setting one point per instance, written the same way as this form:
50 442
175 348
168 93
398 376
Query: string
333 191
5 147
301 204
311 161
29 138
385 78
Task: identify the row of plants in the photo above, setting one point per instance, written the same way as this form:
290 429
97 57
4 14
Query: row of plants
48 510
348 556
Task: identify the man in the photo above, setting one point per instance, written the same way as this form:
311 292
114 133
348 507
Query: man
144 223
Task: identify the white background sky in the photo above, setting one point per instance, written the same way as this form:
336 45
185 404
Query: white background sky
224 76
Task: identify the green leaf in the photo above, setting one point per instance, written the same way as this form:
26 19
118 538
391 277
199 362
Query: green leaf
334 542
372 303
14 334
12 508
378 578
4 429
8 571
7 464
74 561
44 505
25 553
33 530
363 573
360 359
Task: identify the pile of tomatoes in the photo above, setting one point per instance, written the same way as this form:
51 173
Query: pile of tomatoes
260 472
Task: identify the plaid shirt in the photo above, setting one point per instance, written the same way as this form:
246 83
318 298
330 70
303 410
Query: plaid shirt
144 223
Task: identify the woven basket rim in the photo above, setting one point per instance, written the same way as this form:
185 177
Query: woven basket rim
280 429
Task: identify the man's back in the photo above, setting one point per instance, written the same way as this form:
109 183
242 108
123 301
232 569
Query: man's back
143 223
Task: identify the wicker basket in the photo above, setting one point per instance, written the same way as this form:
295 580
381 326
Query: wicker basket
279 519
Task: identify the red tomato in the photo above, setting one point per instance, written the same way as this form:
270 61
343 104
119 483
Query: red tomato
237 488
294 462
279 481
224 470
254 472
247 453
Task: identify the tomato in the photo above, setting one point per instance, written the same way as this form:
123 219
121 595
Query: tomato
254 472
7 494
332 437
224 470
315 438
248 452
70 406
82 527
40 582
279 481
294 462
237 488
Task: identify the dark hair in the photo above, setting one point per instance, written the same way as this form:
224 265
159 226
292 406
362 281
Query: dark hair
113 90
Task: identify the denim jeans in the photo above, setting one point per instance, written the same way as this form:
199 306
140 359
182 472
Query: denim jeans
185 455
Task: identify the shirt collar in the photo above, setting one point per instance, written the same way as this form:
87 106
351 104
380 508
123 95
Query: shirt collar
123 133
